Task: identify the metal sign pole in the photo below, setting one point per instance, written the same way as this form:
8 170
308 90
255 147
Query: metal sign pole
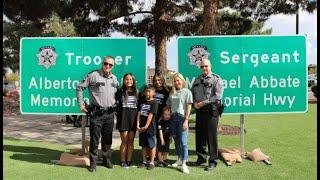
242 134
83 139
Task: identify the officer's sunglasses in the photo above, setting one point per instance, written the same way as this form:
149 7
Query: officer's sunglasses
108 64
203 67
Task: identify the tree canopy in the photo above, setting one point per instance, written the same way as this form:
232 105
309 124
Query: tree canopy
157 20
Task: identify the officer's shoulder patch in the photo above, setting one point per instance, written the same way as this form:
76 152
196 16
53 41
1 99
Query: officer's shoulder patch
216 75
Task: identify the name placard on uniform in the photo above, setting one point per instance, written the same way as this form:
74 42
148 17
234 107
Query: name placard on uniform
261 74
51 69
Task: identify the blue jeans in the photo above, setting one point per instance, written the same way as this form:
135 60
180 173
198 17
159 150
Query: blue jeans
180 136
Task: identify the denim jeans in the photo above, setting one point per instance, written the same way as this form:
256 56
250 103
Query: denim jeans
180 136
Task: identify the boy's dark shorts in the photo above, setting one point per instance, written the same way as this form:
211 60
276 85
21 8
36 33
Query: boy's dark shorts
164 148
147 140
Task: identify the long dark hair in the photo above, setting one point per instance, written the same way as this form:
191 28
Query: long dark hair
164 86
134 87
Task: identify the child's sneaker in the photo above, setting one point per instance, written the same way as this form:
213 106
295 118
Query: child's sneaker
150 166
124 165
177 163
143 165
185 169
165 164
129 163
160 164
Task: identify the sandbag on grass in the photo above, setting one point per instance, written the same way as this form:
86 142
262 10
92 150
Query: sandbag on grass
74 160
231 155
256 155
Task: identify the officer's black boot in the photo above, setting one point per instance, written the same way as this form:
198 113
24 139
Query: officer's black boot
107 163
211 166
200 161
107 160
92 168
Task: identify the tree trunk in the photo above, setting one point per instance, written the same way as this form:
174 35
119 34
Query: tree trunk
209 23
161 53
160 36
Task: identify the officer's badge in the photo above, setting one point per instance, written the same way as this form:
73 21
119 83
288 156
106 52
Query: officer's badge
197 53
47 56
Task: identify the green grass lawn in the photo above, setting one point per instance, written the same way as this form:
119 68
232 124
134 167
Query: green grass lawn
290 140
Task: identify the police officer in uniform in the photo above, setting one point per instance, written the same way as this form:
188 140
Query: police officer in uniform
103 86
207 91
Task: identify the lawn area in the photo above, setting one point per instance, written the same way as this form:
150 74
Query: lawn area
290 140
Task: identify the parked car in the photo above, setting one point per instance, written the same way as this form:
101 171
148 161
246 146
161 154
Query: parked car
8 86
313 75
311 81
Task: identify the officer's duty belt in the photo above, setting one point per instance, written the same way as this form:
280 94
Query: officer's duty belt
102 109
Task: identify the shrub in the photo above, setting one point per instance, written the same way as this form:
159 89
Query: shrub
12 77
314 90
5 91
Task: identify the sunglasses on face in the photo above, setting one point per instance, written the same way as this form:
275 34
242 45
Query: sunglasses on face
108 64
203 66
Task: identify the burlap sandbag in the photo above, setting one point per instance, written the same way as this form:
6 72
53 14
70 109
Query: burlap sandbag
73 160
231 155
78 150
256 155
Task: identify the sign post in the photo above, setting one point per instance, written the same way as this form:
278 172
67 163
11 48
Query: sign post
242 135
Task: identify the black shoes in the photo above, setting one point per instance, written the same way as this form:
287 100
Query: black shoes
92 169
150 166
107 163
123 164
143 165
162 164
200 161
211 166
129 163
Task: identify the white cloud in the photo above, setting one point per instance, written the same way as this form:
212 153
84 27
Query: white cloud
309 47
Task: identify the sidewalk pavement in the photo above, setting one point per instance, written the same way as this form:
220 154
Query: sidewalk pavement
48 129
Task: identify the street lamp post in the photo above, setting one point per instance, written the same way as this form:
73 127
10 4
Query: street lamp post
297 17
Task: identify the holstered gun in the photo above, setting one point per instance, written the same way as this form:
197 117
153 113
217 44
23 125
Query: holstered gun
215 108
90 109
113 108
221 107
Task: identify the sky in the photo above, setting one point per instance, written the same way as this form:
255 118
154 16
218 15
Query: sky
281 25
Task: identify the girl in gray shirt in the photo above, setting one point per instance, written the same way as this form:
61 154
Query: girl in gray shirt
180 101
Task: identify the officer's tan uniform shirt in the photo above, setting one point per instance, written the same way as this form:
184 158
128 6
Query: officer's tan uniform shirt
209 88
102 89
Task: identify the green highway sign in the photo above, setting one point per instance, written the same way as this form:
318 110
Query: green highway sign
51 68
261 74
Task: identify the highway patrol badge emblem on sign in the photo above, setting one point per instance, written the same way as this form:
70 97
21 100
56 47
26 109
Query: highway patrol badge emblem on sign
197 53
47 56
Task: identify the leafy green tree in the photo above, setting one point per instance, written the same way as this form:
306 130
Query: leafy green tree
12 32
256 10
30 19
159 21
165 19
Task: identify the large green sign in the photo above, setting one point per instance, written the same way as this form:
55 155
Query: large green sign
51 68
261 74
